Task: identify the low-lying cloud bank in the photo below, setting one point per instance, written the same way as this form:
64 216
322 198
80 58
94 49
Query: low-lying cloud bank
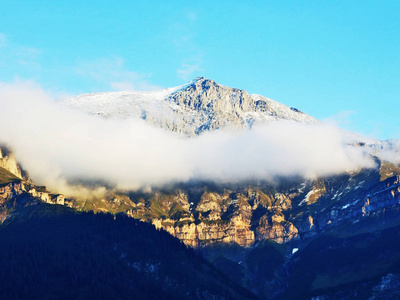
56 144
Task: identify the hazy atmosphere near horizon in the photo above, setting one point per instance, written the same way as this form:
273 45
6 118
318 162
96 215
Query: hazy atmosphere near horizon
335 60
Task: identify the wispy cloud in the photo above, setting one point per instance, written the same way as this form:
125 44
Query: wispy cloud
28 57
57 144
14 56
342 118
182 34
188 69
113 72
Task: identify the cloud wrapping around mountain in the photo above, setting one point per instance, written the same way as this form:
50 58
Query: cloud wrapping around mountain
57 144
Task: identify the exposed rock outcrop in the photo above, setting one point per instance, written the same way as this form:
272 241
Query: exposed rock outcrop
201 105
276 229
12 197
17 189
9 191
43 194
282 212
8 162
384 196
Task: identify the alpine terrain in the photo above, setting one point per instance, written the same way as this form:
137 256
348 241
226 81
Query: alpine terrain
293 237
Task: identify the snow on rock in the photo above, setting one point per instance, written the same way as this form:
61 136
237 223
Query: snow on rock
311 196
190 109
204 105
388 150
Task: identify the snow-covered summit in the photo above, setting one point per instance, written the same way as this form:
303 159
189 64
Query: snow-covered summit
200 105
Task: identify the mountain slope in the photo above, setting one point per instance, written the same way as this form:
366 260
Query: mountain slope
51 252
261 234
202 105
247 212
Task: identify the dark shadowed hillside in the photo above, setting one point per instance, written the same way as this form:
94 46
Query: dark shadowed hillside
51 252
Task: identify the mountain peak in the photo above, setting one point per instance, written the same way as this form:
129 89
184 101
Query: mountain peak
206 94
199 78
201 105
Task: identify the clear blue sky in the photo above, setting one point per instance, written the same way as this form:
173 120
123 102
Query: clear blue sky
330 59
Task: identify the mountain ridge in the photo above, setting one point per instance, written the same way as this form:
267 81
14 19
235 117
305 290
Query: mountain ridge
199 106
202 105
289 219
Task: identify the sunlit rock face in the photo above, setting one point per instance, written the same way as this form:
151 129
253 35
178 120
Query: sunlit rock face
282 211
243 214
8 162
17 189
199 106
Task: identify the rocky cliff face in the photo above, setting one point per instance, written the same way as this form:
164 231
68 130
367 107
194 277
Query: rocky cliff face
12 197
8 162
16 194
17 189
382 197
292 210
275 223
201 214
201 105
204 217
208 106
44 195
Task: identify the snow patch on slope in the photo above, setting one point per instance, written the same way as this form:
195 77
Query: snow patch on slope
200 105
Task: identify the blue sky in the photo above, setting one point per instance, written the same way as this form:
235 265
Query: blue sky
337 60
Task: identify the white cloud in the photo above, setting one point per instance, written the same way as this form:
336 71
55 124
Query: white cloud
391 156
55 143
112 71
188 70
342 118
